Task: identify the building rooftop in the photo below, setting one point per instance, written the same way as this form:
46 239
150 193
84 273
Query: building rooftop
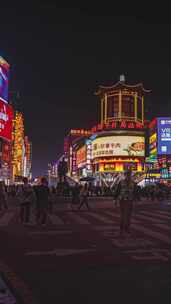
120 85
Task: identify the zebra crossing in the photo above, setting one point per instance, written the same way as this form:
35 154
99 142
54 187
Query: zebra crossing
150 238
91 218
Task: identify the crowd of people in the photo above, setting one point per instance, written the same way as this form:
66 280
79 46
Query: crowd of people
124 193
152 192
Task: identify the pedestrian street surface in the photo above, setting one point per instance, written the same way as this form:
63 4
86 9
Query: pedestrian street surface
74 238
78 239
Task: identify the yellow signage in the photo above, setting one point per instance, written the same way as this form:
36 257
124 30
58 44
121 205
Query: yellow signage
153 138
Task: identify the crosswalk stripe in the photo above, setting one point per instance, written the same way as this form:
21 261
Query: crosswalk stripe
115 215
79 219
163 226
6 218
144 217
163 213
51 232
56 220
158 215
100 217
156 235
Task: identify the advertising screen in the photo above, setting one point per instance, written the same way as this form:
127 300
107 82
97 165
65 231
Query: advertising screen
6 117
6 152
118 146
164 135
4 75
153 144
81 156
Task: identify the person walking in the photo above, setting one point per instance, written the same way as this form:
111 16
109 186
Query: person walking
42 196
26 197
126 198
3 197
75 195
116 194
84 197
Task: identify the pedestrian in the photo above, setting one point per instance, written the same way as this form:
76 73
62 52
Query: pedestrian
26 198
52 199
116 194
3 197
75 195
84 197
126 198
42 196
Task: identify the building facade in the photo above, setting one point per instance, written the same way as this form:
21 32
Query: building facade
21 150
117 142
6 118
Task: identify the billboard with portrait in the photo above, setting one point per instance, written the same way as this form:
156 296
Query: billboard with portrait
164 135
6 117
118 146
4 76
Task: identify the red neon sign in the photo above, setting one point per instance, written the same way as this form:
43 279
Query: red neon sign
117 125
6 117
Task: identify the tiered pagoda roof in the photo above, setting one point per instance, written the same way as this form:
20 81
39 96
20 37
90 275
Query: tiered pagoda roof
121 85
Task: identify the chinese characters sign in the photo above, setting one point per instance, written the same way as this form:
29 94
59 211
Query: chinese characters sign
80 132
6 117
118 145
164 135
111 125
118 125
81 156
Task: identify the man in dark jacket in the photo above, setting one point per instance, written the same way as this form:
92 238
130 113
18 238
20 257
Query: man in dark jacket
42 195
26 197
126 197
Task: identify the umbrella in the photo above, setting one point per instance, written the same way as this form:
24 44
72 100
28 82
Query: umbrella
87 179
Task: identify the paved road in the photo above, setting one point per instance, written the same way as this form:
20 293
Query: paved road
74 241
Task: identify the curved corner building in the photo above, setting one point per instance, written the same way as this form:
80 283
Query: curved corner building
118 141
120 144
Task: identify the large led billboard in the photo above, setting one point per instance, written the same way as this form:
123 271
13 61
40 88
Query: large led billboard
6 117
118 146
4 75
164 135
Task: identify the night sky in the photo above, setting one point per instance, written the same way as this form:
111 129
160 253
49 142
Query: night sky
59 56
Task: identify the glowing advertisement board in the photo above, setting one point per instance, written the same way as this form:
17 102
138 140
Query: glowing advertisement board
118 146
153 144
164 135
81 156
6 152
6 117
4 75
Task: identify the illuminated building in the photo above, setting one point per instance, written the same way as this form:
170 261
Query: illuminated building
27 158
159 160
6 118
18 146
117 142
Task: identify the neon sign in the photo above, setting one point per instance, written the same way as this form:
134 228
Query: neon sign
118 125
112 125
6 117
81 156
80 132
4 71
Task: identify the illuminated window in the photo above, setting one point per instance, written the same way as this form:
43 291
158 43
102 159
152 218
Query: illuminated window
127 106
113 106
